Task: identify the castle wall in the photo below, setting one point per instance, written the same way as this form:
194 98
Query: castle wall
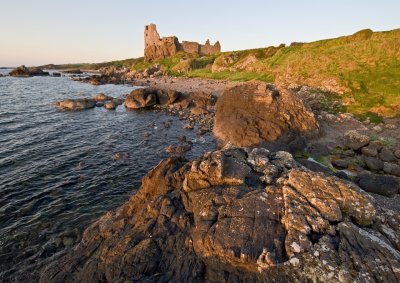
190 47
208 49
160 48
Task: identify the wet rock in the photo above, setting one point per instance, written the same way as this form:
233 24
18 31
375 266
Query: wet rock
373 163
369 150
56 74
141 98
354 140
213 219
100 104
246 116
110 105
391 169
386 155
179 150
118 101
379 184
76 104
102 97
23 71
340 163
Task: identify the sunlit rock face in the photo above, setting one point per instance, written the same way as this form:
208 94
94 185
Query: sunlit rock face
237 215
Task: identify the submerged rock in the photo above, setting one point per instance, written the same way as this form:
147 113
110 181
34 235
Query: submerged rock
249 114
76 104
237 215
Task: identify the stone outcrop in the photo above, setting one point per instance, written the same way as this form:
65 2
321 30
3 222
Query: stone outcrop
237 215
23 71
141 98
252 113
159 48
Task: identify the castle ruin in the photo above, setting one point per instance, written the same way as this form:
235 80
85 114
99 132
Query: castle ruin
160 48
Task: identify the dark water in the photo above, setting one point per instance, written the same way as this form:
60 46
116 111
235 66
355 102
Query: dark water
59 171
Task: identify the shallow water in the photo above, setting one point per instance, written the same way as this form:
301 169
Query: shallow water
59 171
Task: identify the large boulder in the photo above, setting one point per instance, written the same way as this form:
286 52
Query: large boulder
141 98
76 104
249 114
237 215
168 97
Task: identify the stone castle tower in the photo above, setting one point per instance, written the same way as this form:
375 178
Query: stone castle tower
159 48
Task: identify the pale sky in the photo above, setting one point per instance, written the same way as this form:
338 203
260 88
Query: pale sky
36 32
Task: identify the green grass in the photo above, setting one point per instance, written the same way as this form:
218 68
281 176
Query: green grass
241 76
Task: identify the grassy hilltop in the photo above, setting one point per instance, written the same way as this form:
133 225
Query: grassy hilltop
363 68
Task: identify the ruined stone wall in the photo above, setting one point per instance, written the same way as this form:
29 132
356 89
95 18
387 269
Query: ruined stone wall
190 47
156 47
208 49
160 48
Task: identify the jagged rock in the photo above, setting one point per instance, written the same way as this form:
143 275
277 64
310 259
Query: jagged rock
379 184
141 98
102 97
23 71
373 163
386 155
354 140
247 115
397 153
391 168
237 216
76 104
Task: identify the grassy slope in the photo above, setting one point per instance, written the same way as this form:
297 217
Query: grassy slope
364 68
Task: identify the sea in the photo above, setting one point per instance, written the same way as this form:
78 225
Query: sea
60 171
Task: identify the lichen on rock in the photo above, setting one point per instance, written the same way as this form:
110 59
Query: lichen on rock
237 215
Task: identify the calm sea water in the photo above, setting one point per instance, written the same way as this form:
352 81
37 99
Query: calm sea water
59 171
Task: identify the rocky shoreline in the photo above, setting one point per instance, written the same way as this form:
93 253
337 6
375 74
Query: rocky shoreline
296 209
